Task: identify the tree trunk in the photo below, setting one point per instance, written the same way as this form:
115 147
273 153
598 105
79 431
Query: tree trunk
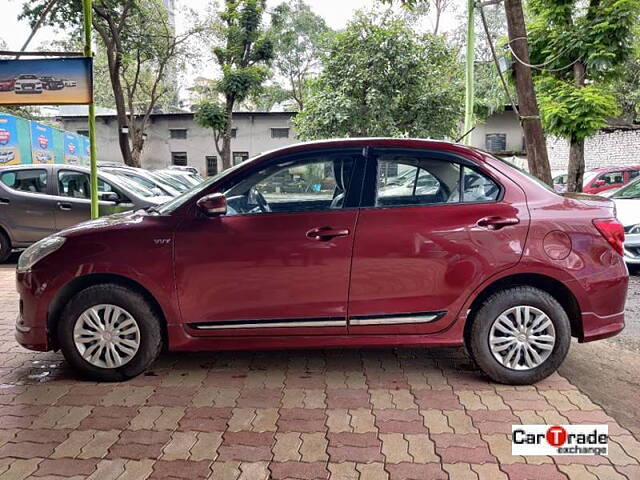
535 142
226 135
576 166
576 147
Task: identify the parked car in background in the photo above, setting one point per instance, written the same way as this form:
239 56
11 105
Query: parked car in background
559 181
602 179
52 83
57 197
144 178
185 168
7 84
236 264
27 84
627 200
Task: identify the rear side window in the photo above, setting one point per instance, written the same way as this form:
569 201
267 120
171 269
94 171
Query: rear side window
30 181
409 181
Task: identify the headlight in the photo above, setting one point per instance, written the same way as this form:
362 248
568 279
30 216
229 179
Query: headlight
38 251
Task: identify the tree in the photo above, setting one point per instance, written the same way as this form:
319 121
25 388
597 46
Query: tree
380 78
139 48
579 49
298 36
243 51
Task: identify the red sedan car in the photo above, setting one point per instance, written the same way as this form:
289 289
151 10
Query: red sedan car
360 242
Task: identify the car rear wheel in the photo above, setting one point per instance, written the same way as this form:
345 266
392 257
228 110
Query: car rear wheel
109 333
5 246
519 336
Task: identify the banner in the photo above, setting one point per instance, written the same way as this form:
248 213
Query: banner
72 149
58 81
42 150
9 147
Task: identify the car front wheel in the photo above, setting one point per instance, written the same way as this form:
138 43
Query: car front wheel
519 336
109 333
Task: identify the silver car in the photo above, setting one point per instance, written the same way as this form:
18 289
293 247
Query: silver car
38 200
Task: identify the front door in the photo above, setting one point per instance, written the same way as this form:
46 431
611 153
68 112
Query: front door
278 262
431 230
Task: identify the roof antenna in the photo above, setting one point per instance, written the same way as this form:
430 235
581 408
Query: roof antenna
465 134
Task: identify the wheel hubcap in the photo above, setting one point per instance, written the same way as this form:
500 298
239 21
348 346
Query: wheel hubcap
106 336
522 338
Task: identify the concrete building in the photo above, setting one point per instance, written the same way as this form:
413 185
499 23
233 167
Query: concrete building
175 139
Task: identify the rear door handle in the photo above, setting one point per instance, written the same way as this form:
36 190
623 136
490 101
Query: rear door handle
64 206
323 234
4 201
496 223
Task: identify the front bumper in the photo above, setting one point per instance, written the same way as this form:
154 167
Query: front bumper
632 249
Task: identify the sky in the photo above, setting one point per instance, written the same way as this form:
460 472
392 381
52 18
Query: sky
336 13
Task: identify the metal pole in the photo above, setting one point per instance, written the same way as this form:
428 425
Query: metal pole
88 21
468 100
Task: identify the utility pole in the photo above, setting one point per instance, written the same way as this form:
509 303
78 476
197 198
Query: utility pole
535 142
469 73
88 21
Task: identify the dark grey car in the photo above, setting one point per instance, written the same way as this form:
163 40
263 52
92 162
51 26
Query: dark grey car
38 200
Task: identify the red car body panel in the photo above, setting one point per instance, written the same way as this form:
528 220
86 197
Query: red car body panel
262 267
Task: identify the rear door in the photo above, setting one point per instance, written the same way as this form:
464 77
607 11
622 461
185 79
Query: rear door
422 247
26 208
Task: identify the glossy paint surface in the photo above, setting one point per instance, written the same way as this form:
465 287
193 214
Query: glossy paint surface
266 267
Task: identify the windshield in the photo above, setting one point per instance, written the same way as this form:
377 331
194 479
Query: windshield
180 200
630 191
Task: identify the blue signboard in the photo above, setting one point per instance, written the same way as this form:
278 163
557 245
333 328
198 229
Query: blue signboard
42 150
9 147
55 81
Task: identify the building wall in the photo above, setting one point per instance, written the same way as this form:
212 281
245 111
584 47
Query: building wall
253 136
504 122
606 149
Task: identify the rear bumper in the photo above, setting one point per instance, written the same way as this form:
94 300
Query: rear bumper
596 327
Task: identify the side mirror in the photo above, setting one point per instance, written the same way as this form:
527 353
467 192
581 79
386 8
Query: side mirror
109 197
213 204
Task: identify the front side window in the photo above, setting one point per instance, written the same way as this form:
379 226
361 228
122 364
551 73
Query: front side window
30 181
78 185
313 184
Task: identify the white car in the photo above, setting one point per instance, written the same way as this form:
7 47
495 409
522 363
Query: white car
28 84
627 201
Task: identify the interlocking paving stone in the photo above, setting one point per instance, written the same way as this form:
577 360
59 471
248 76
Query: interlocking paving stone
352 414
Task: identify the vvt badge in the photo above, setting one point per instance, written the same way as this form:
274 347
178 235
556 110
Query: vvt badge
559 439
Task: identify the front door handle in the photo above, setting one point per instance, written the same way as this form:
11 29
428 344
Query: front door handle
324 234
64 206
496 223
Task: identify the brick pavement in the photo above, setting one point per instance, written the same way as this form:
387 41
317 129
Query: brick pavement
343 414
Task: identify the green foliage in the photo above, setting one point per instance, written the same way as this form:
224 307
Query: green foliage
381 78
244 51
299 37
581 50
571 112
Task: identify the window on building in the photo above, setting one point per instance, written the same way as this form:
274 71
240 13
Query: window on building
212 165
179 158
239 157
496 142
178 133
83 132
234 132
280 132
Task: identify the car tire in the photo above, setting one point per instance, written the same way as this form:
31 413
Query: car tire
117 318
5 247
497 329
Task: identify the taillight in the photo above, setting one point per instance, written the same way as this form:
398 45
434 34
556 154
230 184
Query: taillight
613 232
